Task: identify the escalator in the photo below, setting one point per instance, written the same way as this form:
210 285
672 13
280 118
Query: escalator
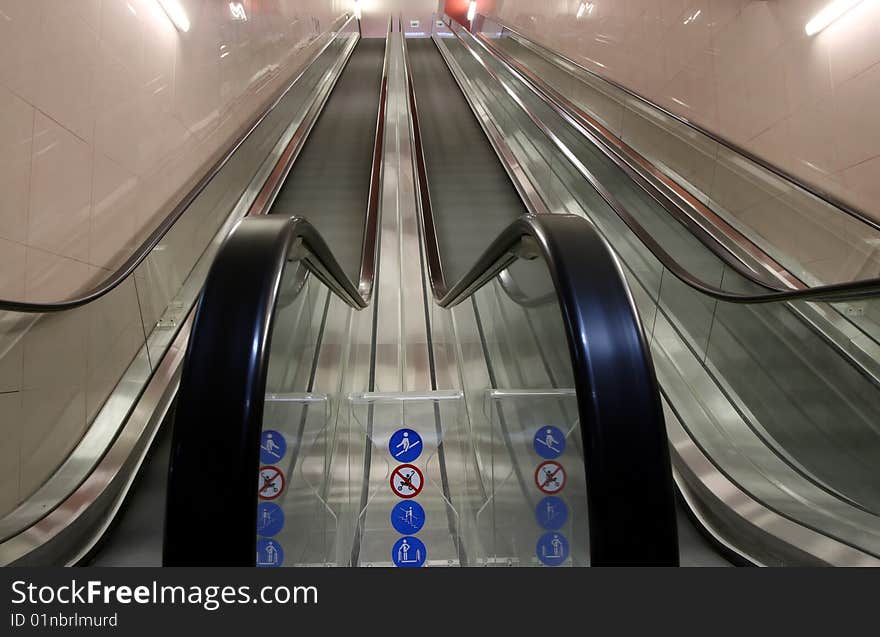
331 171
333 175
767 361
433 340
485 309
481 403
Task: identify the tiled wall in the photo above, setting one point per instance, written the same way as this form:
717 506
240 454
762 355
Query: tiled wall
107 113
744 69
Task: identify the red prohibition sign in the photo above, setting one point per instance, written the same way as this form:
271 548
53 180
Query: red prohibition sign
550 477
414 481
268 482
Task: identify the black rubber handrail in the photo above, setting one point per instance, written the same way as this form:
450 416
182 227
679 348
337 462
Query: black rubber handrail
219 412
220 404
369 251
820 194
830 293
630 497
629 483
142 251
249 265
608 355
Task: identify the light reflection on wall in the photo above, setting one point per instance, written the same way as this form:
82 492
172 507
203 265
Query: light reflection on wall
176 14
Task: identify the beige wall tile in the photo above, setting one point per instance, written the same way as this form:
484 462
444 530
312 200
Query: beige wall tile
16 135
60 192
773 144
49 277
122 30
19 32
856 104
12 269
852 42
107 113
89 11
815 97
812 143
115 81
114 210
121 100
807 71
864 180
687 93
65 71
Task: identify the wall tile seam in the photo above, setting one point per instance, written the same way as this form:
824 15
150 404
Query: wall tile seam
242 98
201 136
29 246
133 72
39 58
857 164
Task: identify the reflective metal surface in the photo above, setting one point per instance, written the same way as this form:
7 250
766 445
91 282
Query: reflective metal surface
410 359
727 417
766 291
72 528
744 525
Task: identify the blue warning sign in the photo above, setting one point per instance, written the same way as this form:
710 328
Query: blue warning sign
405 445
270 518
552 549
551 513
272 447
409 552
269 553
407 517
549 442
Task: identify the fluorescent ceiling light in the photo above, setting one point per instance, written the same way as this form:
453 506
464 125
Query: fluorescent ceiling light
236 9
828 15
472 10
584 7
693 16
176 14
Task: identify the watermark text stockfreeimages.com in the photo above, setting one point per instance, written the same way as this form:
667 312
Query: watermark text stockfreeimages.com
208 597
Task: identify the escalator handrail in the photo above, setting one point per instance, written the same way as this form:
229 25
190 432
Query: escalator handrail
240 296
681 205
220 405
629 484
825 196
219 414
118 276
369 249
597 310
829 293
